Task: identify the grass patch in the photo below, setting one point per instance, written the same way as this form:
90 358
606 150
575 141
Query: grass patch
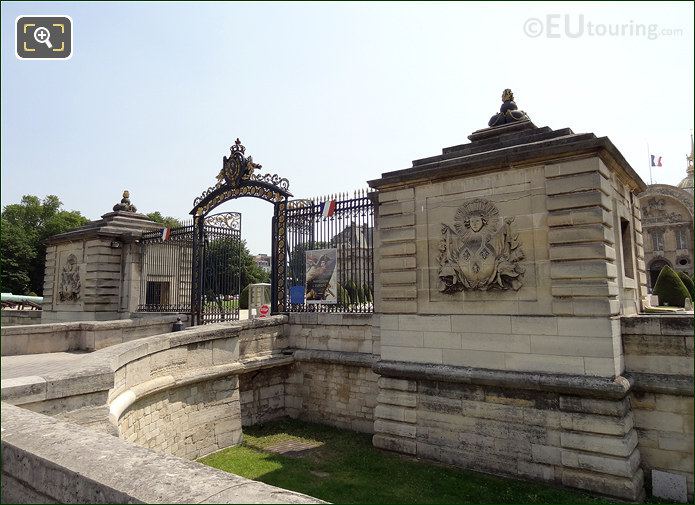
226 305
346 468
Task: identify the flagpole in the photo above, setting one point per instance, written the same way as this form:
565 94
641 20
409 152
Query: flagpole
649 160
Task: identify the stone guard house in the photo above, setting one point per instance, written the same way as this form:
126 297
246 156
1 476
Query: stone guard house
507 335
93 272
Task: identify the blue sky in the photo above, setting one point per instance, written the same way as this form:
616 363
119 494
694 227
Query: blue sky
328 95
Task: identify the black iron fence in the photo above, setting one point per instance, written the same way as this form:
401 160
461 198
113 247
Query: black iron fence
165 278
330 254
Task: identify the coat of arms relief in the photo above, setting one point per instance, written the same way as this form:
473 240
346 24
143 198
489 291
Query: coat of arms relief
70 281
480 252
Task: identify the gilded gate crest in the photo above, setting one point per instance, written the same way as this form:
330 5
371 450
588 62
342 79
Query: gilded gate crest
480 252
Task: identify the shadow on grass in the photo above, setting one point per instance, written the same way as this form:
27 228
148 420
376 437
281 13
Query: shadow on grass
346 468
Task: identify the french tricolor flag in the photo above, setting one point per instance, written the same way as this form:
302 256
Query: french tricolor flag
656 161
166 233
328 208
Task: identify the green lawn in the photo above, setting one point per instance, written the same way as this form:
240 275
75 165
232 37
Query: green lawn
346 468
226 305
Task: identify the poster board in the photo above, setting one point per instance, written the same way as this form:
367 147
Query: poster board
321 276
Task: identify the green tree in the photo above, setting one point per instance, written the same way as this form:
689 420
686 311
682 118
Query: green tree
25 228
167 221
226 260
670 288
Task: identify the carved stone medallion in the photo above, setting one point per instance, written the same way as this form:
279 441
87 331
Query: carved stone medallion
479 252
70 280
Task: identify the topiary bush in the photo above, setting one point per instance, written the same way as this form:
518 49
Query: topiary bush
689 284
343 296
367 293
360 294
351 288
670 288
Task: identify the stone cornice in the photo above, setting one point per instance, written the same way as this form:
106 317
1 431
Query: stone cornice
579 385
530 148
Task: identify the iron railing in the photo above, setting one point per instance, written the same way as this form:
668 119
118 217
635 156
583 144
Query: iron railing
347 237
165 278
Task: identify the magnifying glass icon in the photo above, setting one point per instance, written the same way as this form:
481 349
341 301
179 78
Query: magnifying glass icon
43 36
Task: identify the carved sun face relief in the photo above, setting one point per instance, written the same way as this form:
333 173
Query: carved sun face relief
479 252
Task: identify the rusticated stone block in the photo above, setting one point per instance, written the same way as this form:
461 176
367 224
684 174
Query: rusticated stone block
396 444
591 423
631 488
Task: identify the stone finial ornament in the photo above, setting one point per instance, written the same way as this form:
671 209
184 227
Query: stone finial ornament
125 204
479 252
509 112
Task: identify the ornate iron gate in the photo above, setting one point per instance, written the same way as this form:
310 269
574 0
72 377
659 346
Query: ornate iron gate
238 178
217 250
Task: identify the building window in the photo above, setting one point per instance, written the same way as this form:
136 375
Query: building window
681 238
157 293
626 237
658 240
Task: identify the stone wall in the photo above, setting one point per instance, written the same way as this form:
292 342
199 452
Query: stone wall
568 218
85 336
189 421
536 426
335 393
574 345
332 381
185 399
100 271
181 384
262 395
659 358
20 317
45 460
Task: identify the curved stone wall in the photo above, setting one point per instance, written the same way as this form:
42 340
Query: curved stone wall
184 399
176 393
188 421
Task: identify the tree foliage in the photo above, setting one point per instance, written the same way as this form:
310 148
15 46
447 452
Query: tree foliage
25 228
166 221
226 260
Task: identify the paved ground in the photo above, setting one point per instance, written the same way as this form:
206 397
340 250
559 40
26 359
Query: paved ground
293 448
38 364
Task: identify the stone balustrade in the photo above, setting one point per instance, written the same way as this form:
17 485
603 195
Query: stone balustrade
81 335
